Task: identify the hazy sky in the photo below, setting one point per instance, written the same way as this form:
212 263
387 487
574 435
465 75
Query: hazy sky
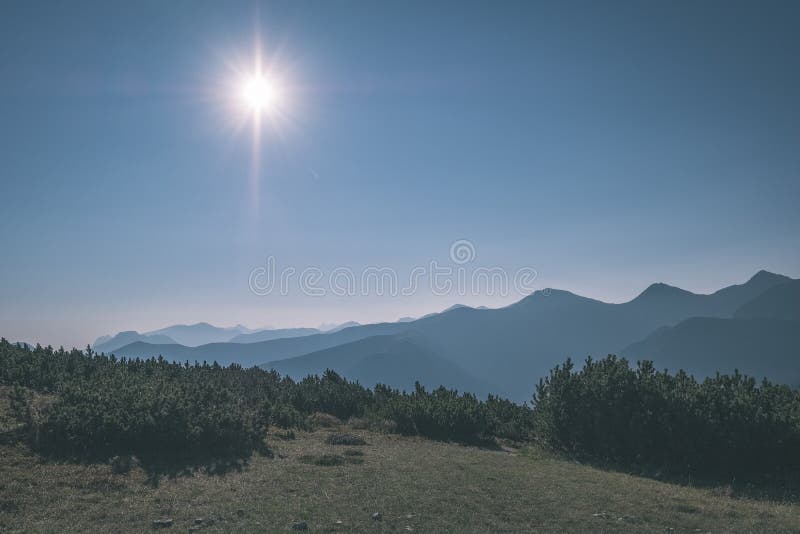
605 145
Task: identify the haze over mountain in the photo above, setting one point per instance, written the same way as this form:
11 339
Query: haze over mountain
200 333
110 344
266 335
395 360
341 326
248 354
189 335
510 348
204 333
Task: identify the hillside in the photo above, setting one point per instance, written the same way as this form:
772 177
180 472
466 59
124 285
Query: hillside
703 346
779 302
395 360
104 444
416 485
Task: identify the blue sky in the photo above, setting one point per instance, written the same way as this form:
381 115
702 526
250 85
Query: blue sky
606 146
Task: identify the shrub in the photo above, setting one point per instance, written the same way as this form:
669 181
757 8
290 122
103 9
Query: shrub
440 414
121 465
509 420
324 420
287 416
149 418
330 394
726 425
358 423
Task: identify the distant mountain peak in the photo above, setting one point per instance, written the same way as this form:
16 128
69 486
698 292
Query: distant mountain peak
766 276
454 307
661 290
348 324
550 292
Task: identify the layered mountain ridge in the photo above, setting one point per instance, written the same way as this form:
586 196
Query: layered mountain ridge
511 348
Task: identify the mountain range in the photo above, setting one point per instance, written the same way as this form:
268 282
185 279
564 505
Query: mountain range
750 326
194 335
190 335
762 339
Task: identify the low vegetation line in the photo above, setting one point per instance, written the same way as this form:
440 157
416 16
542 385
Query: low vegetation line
83 406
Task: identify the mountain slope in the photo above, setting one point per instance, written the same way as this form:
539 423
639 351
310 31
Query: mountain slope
703 346
779 302
278 333
394 360
762 339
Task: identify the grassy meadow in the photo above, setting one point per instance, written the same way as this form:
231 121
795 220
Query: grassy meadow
415 484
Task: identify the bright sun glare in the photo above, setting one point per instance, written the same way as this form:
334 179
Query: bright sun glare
260 94
257 96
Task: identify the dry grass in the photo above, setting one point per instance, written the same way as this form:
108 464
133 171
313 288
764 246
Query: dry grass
417 485
324 420
345 439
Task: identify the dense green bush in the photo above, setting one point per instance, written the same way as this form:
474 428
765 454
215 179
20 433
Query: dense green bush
149 416
508 419
330 394
726 425
440 414
103 406
287 416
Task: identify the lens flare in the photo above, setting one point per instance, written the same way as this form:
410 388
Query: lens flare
260 94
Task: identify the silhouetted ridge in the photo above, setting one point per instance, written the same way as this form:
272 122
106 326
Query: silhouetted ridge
551 294
511 347
767 278
661 290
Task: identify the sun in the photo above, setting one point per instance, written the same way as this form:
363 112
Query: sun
260 94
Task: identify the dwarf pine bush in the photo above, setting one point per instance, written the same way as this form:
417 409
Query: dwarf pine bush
724 425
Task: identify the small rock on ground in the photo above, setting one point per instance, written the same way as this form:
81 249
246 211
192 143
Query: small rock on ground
300 525
377 516
162 523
